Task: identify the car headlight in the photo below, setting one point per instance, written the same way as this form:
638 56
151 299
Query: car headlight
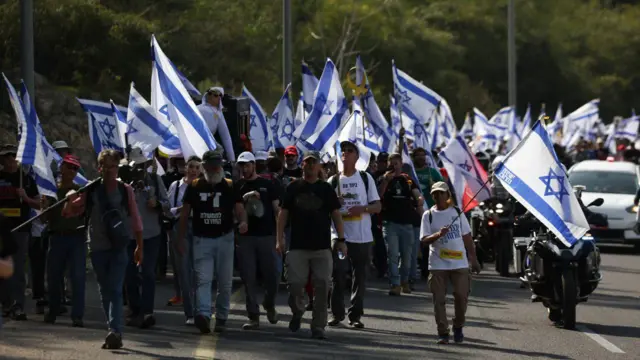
498 206
491 211
632 209
499 211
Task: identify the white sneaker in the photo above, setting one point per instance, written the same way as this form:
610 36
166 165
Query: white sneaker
189 321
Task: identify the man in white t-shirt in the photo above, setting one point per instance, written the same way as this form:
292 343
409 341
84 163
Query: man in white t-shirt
451 251
359 199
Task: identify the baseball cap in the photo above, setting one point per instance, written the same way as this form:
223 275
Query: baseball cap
383 155
215 90
60 145
312 154
246 157
262 155
212 158
349 143
291 150
440 186
71 160
7 149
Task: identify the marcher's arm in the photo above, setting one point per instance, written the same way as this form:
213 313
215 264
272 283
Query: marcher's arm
6 267
337 222
283 216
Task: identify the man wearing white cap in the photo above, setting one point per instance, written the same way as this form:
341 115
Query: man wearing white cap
256 247
211 110
446 230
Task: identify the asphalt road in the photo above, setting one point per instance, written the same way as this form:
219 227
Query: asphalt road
502 323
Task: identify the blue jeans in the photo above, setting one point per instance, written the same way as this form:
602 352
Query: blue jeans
183 270
71 251
400 243
209 255
141 281
110 267
413 273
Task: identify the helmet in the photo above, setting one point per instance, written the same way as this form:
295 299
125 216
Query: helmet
496 161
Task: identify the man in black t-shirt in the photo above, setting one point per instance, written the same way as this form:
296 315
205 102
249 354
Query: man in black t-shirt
310 205
400 198
214 204
291 170
16 201
256 247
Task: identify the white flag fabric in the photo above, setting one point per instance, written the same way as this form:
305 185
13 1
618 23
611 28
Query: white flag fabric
194 134
259 131
282 122
106 131
535 177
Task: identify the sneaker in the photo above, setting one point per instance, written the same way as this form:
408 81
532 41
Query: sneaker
18 314
175 301
112 341
458 336
318 334
77 322
189 321
356 324
443 339
203 324
272 315
251 325
406 289
395 291
148 321
334 321
220 325
294 324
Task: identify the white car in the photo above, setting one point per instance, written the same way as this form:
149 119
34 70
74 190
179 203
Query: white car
616 183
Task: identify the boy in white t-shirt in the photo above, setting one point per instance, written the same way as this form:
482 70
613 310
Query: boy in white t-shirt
451 251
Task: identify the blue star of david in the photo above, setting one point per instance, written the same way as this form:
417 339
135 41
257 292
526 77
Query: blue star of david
274 123
465 166
165 111
404 97
132 130
107 127
252 123
308 107
370 132
548 191
322 99
287 130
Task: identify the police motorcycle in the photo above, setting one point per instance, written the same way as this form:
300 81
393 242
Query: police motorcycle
479 223
560 277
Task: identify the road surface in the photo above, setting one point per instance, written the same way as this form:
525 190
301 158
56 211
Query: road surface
502 323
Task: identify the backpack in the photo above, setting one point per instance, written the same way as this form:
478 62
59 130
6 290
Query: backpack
111 217
363 175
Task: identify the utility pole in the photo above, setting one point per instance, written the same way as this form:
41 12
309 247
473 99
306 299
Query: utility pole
511 50
286 43
26 46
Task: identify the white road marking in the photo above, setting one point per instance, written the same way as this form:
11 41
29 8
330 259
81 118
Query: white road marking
206 348
600 340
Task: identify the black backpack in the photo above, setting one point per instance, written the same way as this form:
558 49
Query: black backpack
363 175
112 218
431 215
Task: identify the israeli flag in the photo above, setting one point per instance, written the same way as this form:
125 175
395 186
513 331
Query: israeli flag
526 121
282 122
485 134
309 86
628 128
105 130
364 130
30 148
328 115
194 134
350 133
396 122
535 177
146 130
376 122
50 154
579 123
300 114
466 130
259 131
192 90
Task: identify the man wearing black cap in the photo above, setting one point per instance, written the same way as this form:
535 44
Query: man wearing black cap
211 110
214 204
17 198
311 206
359 197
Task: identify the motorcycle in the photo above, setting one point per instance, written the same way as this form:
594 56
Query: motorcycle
480 234
560 277
500 218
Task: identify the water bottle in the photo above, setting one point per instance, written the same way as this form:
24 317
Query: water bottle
340 255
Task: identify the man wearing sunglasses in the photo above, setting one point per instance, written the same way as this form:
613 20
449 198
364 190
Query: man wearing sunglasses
211 110
17 198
